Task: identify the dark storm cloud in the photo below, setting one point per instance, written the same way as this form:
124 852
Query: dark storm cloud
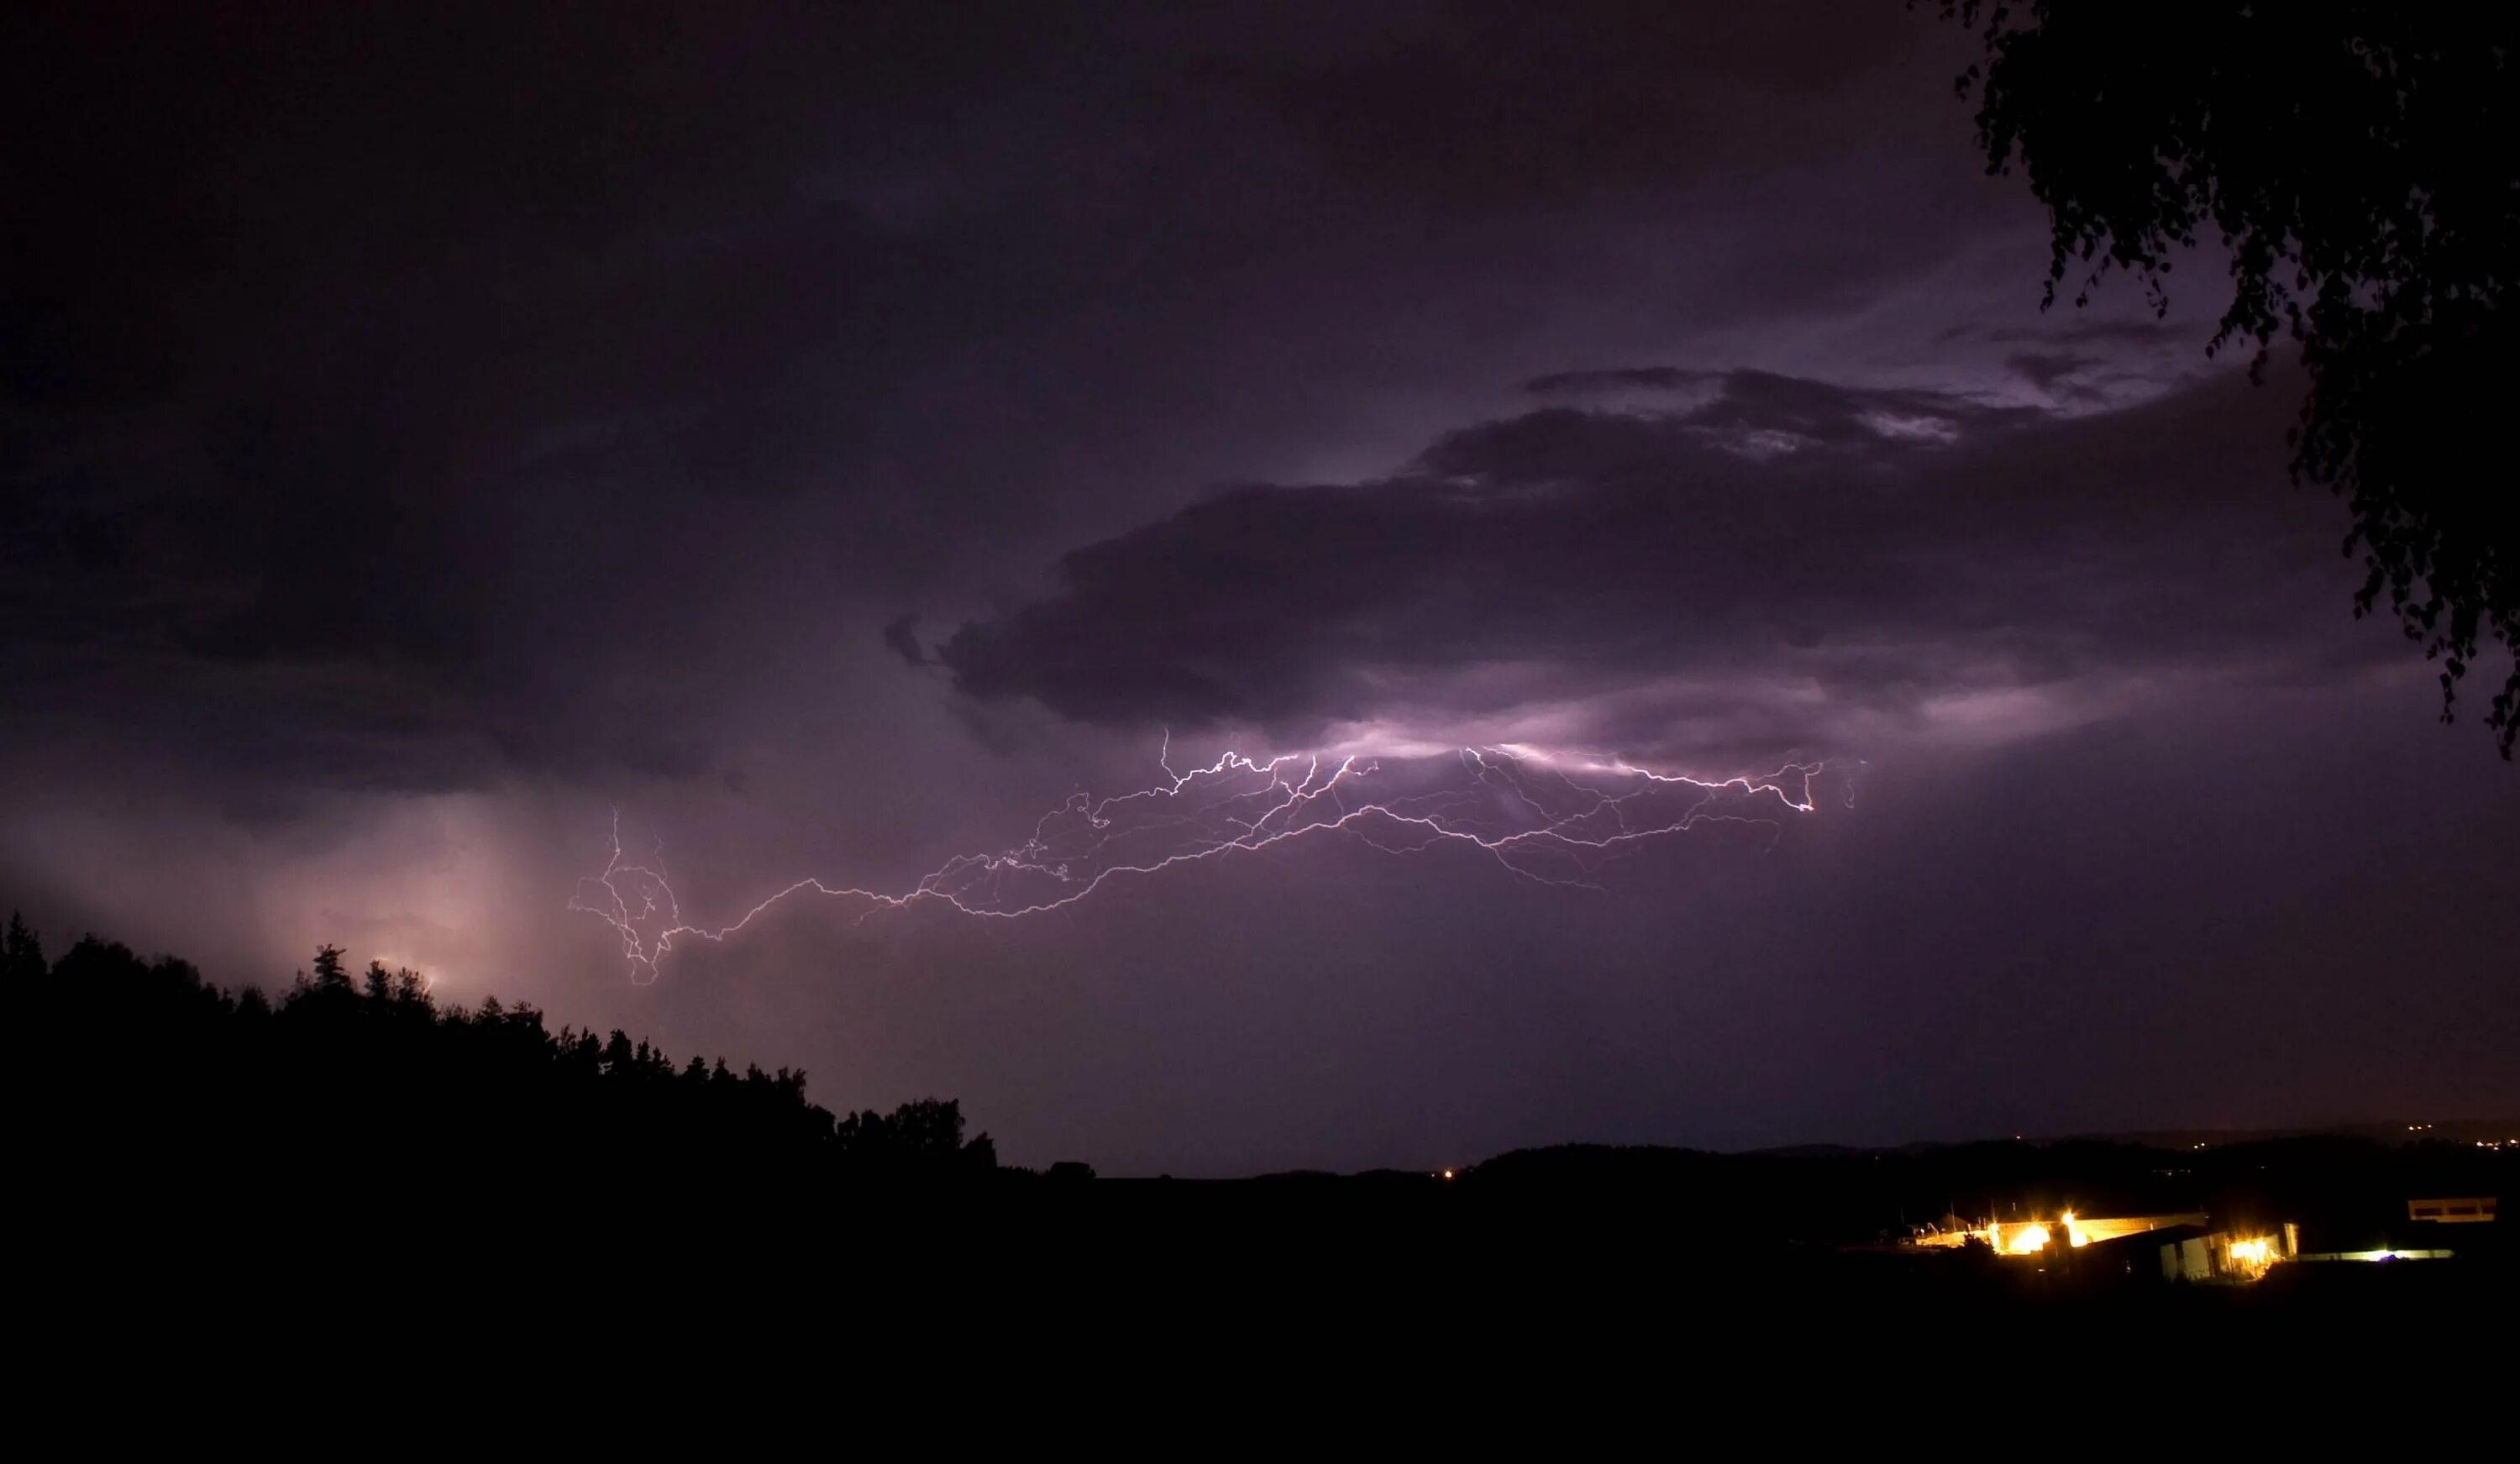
1775 561
2079 331
1616 379
1743 403
1497 105
376 367
344 331
2047 369
901 637
380 368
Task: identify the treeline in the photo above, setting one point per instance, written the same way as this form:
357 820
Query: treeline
164 1080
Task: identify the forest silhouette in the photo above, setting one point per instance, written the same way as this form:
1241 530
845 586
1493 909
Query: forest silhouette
367 1079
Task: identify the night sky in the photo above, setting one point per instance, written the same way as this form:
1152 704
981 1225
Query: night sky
832 436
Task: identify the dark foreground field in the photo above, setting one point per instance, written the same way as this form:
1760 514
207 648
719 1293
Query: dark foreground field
1347 1259
1183 1318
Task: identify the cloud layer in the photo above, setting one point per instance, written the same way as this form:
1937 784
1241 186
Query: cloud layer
1733 562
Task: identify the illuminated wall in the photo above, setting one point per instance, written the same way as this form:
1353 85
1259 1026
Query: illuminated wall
2031 1238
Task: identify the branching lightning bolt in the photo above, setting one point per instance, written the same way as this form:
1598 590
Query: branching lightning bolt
1549 818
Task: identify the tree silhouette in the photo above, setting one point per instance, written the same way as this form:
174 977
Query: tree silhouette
22 956
2356 161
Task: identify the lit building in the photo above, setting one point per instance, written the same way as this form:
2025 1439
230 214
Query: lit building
2229 1255
2474 1211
